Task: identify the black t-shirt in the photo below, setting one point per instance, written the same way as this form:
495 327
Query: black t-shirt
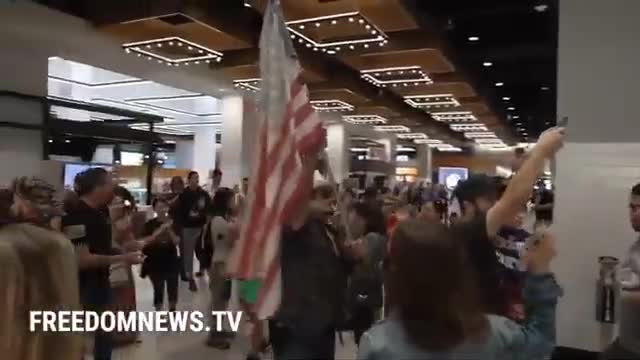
192 207
314 278
86 226
546 197
162 255
483 259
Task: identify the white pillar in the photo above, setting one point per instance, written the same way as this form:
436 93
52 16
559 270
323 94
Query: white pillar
21 150
390 144
423 161
239 137
204 153
184 154
599 164
338 151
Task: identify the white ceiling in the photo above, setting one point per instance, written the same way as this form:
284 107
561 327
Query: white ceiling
73 80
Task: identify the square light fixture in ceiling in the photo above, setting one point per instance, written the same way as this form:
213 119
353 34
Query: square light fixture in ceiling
446 147
481 135
251 85
173 51
364 119
489 141
413 136
476 127
396 76
307 31
427 141
454 116
392 128
331 105
432 101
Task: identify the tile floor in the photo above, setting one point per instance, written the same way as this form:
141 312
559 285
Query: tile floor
188 345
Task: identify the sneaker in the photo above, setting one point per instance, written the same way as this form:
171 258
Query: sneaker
218 344
192 285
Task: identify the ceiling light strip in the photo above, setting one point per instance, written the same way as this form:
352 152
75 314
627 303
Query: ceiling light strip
427 141
378 38
331 105
413 136
364 119
172 38
320 18
392 128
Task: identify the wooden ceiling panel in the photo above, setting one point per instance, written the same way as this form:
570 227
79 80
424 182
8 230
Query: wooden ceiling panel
430 60
242 72
304 9
192 30
253 72
338 94
477 108
377 110
388 15
457 89
491 121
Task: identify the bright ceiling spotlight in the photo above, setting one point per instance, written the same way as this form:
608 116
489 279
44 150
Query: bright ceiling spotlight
487 64
474 38
541 7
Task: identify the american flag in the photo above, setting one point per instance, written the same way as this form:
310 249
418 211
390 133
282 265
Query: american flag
289 129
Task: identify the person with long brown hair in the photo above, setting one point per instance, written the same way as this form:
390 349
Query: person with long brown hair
437 312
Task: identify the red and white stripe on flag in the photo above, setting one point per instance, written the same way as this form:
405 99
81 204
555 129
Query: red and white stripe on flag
288 130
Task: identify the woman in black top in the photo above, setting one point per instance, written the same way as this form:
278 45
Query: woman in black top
161 263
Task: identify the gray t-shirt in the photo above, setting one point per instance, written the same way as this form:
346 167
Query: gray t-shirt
629 278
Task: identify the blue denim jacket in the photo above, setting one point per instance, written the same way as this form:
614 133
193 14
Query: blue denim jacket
535 339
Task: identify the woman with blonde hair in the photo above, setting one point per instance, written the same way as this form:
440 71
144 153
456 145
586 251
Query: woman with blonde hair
39 272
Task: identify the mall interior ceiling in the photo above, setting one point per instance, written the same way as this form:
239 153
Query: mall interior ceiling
447 69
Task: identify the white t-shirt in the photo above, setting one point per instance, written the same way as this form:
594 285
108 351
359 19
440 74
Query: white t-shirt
221 239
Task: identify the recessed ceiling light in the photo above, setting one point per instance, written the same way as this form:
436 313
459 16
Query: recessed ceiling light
541 7
50 141
544 88
516 116
511 108
473 38
498 84
506 98
487 64
67 141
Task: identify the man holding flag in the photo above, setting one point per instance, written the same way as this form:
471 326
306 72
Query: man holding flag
285 239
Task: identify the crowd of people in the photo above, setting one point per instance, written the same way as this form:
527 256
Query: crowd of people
477 286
